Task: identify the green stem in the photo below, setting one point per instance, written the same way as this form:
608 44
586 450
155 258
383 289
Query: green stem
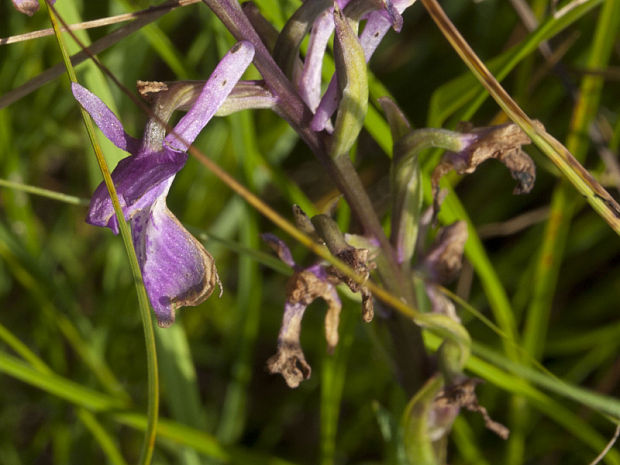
73 200
145 312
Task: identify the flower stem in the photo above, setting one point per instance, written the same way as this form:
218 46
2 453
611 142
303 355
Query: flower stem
292 108
148 444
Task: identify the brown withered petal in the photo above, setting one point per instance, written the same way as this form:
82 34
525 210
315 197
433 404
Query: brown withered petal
302 289
500 142
445 258
357 259
463 395
368 308
148 90
289 361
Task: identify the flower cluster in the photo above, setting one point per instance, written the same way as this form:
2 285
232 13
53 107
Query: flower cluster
308 284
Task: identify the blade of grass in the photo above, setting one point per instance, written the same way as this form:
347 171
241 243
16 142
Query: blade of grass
58 385
101 436
143 303
31 274
86 417
462 91
333 375
597 197
234 411
59 196
97 47
550 256
162 46
548 260
99 402
180 385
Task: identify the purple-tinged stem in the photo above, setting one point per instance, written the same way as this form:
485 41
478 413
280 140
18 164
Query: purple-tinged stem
298 115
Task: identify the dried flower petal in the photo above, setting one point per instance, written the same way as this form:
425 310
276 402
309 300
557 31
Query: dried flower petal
357 259
445 258
289 361
440 303
463 395
500 142
303 288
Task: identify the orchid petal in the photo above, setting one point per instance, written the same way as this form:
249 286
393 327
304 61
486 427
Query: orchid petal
216 89
376 27
105 119
280 248
176 269
310 80
139 180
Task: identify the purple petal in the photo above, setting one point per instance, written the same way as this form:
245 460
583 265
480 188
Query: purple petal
216 89
105 119
279 247
310 80
176 269
139 181
377 26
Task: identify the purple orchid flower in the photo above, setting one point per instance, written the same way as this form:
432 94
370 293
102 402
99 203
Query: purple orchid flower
176 268
378 24
28 7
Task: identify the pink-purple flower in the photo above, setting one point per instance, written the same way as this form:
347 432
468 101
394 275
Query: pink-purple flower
176 268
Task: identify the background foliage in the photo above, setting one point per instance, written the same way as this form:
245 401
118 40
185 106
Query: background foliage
72 361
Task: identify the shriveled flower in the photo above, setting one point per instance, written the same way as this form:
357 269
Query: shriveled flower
500 142
442 263
304 287
176 268
28 7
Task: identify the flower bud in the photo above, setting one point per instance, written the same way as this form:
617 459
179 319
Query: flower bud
353 85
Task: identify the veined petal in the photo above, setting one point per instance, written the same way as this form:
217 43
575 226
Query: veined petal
176 268
139 181
216 89
107 121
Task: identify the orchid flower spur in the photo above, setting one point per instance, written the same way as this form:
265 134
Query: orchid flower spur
176 269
